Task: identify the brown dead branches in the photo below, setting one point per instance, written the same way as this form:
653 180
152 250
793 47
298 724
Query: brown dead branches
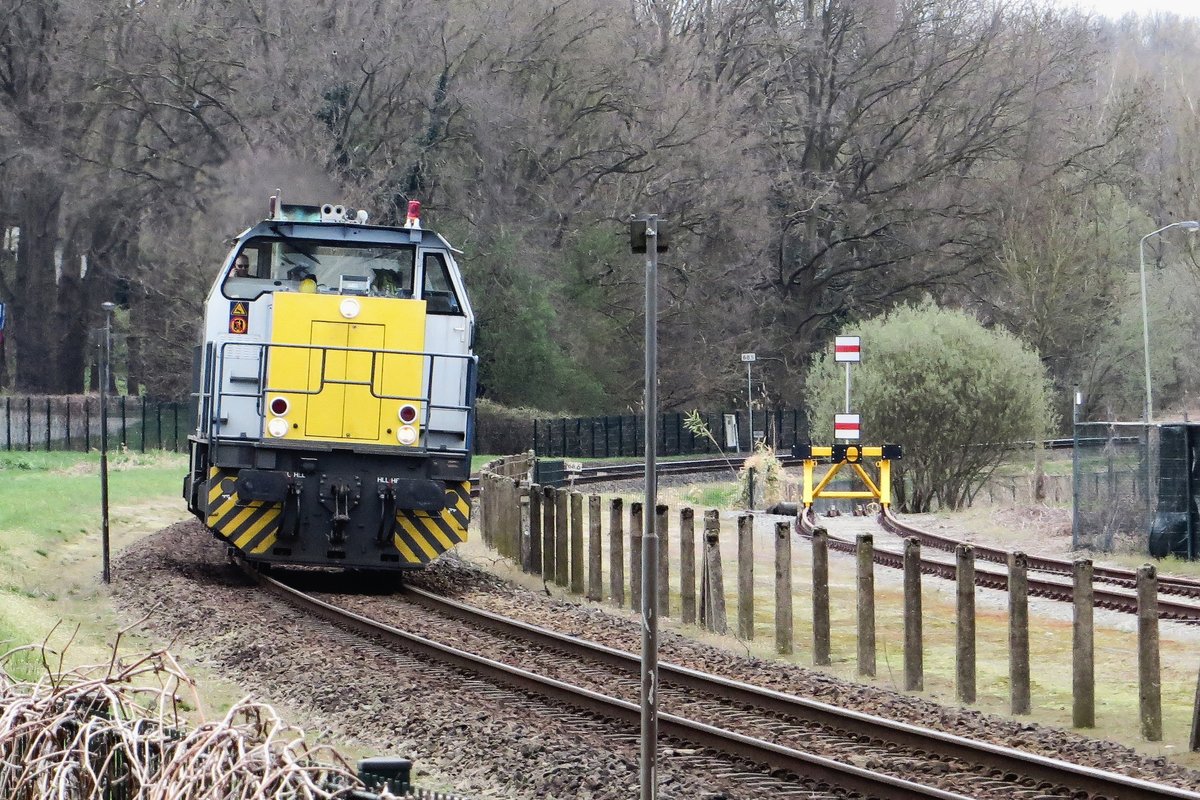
119 731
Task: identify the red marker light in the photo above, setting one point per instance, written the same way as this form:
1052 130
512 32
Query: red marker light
413 218
279 406
408 414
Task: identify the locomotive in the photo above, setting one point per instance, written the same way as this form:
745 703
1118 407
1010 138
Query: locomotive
333 393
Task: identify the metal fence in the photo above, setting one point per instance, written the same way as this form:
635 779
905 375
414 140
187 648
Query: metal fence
73 423
1122 473
625 436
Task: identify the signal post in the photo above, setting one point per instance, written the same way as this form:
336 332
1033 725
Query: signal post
848 453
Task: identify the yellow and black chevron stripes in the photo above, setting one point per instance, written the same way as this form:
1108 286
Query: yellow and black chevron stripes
253 527
422 536
250 527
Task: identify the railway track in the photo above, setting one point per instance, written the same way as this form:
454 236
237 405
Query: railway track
790 746
1120 577
1113 588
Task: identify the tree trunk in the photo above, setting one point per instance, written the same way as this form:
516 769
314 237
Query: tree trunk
35 301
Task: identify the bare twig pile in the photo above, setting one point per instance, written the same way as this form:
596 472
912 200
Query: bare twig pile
118 732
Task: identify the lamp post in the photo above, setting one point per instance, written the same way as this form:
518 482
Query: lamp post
105 359
1190 225
647 235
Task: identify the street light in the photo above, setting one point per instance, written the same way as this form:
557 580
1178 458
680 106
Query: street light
1190 225
105 359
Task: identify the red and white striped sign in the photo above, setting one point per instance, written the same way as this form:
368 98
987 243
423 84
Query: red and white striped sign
847 348
845 426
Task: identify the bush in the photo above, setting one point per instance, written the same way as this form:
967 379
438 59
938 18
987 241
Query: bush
957 396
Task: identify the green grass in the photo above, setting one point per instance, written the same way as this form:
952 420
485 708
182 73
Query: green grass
50 555
716 495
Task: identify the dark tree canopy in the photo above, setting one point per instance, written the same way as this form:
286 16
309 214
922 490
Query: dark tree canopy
819 162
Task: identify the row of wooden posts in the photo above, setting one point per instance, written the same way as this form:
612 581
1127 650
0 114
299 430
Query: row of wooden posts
547 539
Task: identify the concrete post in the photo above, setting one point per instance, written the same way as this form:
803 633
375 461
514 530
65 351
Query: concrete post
914 663
664 562
534 564
595 546
616 551
1018 632
576 543
549 526
562 537
1083 649
820 598
865 552
687 565
635 555
964 656
1149 675
783 588
745 525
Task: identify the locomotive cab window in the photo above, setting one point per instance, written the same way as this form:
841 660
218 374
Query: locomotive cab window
299 266
437 289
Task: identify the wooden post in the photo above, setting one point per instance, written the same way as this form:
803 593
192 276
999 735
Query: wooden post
664 562
562 537
964 660
865 552
783 588
595 577
745 525
914 665
549 526
687 565
616 551
1083 649
502 536
1149 675
1018 632
534 564
485 499
1194 740
820 597
635 555
512 519
577 543
713 587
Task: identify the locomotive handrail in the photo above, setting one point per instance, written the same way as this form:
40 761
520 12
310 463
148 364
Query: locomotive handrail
218 375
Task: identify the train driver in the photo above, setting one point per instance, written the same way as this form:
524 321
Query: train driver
241 266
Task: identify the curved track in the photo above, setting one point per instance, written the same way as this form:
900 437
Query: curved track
1054 581
763 727
1050 584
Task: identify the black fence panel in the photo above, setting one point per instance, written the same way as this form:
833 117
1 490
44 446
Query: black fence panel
624 436
72 423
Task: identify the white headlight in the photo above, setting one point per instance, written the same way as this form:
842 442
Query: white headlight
277 427
349 308
406 435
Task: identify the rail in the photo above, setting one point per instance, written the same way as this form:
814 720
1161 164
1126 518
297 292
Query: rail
986 759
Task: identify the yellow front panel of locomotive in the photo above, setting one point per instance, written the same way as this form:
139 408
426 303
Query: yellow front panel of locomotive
337 394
